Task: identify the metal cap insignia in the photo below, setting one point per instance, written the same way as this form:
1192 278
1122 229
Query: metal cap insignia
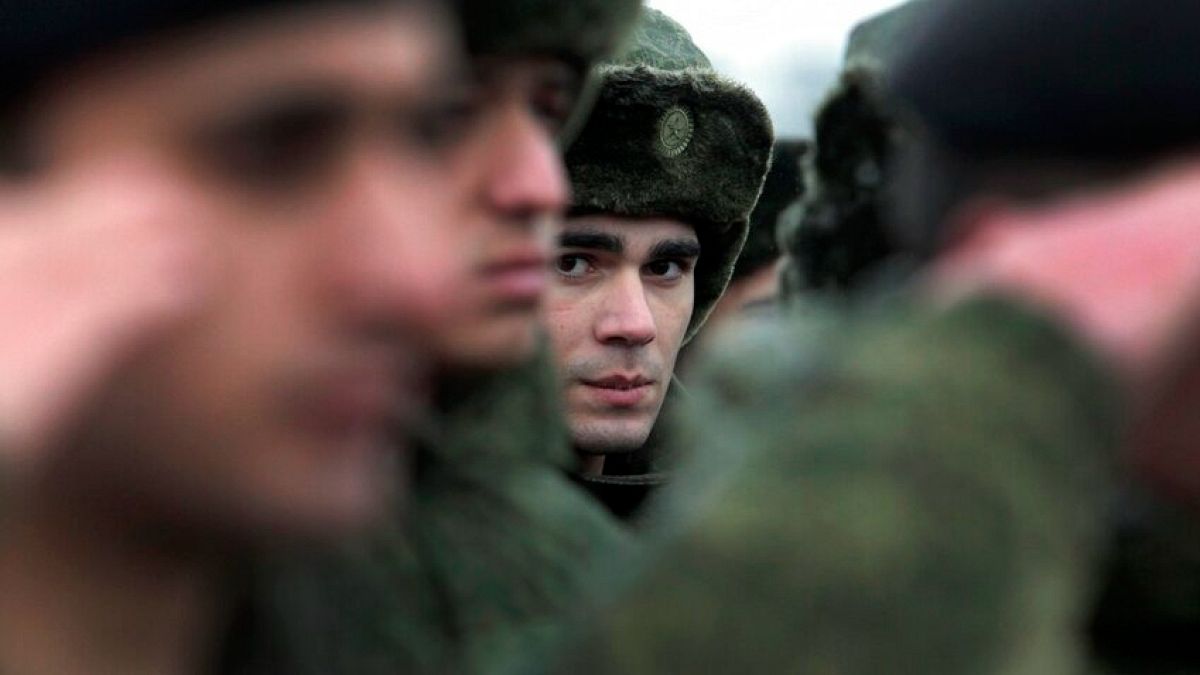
675 130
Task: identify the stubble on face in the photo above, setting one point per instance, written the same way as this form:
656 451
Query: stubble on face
598 428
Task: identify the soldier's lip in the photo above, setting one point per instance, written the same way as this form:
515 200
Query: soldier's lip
620 391
620 382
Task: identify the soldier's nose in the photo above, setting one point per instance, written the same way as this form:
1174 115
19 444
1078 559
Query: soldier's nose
526 180
625 317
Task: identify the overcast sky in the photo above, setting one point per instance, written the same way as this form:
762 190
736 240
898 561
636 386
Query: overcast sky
788 51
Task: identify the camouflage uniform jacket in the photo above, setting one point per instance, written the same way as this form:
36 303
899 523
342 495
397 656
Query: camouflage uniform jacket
908 493
489 561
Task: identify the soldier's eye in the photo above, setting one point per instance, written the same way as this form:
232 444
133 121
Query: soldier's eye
553 106
441 123
573 266
667 270
279 145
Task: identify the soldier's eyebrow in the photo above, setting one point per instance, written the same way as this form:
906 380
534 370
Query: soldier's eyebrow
676 249
594 240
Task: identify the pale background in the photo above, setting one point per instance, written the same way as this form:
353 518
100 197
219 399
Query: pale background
787 51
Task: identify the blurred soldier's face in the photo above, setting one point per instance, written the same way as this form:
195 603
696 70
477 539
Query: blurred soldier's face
510 172
311 150
619 305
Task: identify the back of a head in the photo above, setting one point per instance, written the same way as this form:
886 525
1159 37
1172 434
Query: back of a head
1105 79
1070 83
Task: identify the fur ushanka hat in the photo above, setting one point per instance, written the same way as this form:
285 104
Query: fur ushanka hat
670 138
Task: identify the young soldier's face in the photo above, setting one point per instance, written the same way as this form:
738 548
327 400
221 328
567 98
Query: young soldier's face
617 311
310 151
510 172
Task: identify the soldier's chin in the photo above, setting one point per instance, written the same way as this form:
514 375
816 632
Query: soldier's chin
609 438
496 342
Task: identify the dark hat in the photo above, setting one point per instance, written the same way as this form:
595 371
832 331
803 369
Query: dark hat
1078 79
671 138
837 237
38 36
583 31
783 188
580 32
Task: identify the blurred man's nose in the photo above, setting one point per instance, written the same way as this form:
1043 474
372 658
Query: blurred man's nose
625 318
525 176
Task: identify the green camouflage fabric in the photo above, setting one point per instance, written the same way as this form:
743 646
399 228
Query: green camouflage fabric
1149 607
901 492
491 556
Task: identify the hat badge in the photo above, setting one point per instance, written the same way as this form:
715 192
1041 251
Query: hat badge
675 131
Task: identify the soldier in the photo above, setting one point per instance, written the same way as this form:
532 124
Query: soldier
282 174
968 179
665 174
493 548
925 487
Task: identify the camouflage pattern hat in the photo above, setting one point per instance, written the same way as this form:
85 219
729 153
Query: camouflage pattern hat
671 138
